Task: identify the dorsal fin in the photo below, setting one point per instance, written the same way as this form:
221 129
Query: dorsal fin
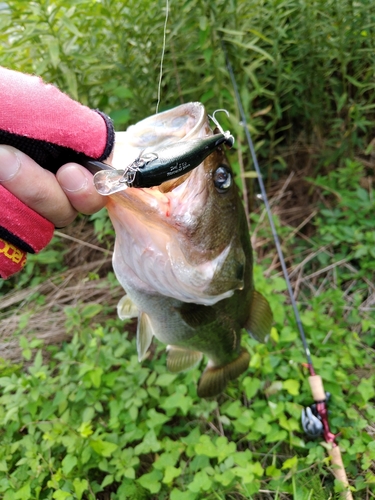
126 309
215 378
145 332
260 318
180 359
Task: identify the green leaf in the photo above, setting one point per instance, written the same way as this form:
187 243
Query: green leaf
88 414
224 449
155 418
182 495
104 448
178 400
24 493
292 386
151 481
290 424
121 116
234 409
123 92
225 478
129 473
54 52
68 463
273 471
245 473
251 385
290 463
276 434
80 486
165 460
171 473
200 483
91 310
258 469
255 48
107 480
206 447
288 335
62 495
261 425
366 388
71 81
242 458
85 429
70 26
255 361
96 376
275 335
165 380
149 444
23 342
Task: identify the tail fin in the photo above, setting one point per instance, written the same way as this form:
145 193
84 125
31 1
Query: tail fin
215 378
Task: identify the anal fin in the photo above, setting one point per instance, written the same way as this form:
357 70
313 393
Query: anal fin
215 378
260 318
145 332
180 359
126 309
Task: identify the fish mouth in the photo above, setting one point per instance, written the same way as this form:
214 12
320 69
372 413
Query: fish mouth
185 122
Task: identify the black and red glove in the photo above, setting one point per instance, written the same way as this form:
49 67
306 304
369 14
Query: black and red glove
52 129
22 231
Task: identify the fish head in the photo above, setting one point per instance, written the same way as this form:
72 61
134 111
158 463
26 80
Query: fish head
187 238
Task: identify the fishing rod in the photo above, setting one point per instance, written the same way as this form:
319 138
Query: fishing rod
315 417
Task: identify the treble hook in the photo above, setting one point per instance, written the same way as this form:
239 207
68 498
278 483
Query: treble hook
229 139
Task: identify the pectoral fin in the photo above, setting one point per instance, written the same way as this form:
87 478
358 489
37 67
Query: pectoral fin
215 378
260 318
181 359
145 333
126 309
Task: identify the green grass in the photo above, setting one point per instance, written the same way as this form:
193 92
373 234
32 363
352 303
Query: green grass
93 419
85 419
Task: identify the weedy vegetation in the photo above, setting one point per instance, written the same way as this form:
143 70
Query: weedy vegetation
80 418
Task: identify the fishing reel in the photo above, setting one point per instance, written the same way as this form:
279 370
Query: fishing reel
312 421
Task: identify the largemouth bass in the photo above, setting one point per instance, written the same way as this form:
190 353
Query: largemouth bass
183 255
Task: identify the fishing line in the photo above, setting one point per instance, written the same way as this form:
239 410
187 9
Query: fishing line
162 54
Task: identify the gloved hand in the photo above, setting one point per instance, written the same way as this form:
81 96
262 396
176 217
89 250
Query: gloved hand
53 129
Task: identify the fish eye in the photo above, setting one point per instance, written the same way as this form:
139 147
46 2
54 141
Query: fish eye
222 179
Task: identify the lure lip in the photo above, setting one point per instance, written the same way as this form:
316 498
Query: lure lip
95 166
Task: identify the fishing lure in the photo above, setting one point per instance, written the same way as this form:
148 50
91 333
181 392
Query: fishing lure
154 168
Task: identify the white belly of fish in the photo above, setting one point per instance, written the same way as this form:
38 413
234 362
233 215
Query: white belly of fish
149 259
